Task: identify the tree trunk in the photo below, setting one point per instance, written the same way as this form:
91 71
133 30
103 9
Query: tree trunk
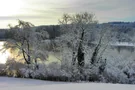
80 53
96 51
28 48
37 67
25 57
73 58
80 57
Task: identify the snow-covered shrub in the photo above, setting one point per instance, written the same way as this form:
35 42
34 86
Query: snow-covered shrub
2 66
2 73
12 68
52 71
119 65
26 72
129 71
92 73
114 75
2 69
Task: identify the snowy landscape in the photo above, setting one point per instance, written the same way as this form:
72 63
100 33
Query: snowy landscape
67 45
26 84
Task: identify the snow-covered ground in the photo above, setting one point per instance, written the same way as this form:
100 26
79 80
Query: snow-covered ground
29 84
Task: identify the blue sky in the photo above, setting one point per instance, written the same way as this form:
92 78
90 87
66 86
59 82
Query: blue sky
46 12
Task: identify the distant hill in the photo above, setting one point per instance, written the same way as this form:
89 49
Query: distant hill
124 24
123 31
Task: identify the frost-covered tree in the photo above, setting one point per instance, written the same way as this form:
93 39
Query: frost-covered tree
102 41
76 29
24 38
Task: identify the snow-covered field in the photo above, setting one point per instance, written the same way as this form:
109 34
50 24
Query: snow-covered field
28 84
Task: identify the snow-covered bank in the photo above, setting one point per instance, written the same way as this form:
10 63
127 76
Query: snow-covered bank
28 84
20 82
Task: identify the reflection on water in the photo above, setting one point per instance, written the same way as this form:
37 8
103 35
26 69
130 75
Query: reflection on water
114 50
3 55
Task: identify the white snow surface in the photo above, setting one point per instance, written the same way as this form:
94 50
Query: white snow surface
29 84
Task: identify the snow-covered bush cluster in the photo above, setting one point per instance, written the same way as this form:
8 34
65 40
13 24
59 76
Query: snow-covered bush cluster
13 68
114 71
52 71
2 70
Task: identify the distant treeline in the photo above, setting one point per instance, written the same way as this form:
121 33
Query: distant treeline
124 31
53 31
3 33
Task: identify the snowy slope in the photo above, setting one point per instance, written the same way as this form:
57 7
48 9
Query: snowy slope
28 84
